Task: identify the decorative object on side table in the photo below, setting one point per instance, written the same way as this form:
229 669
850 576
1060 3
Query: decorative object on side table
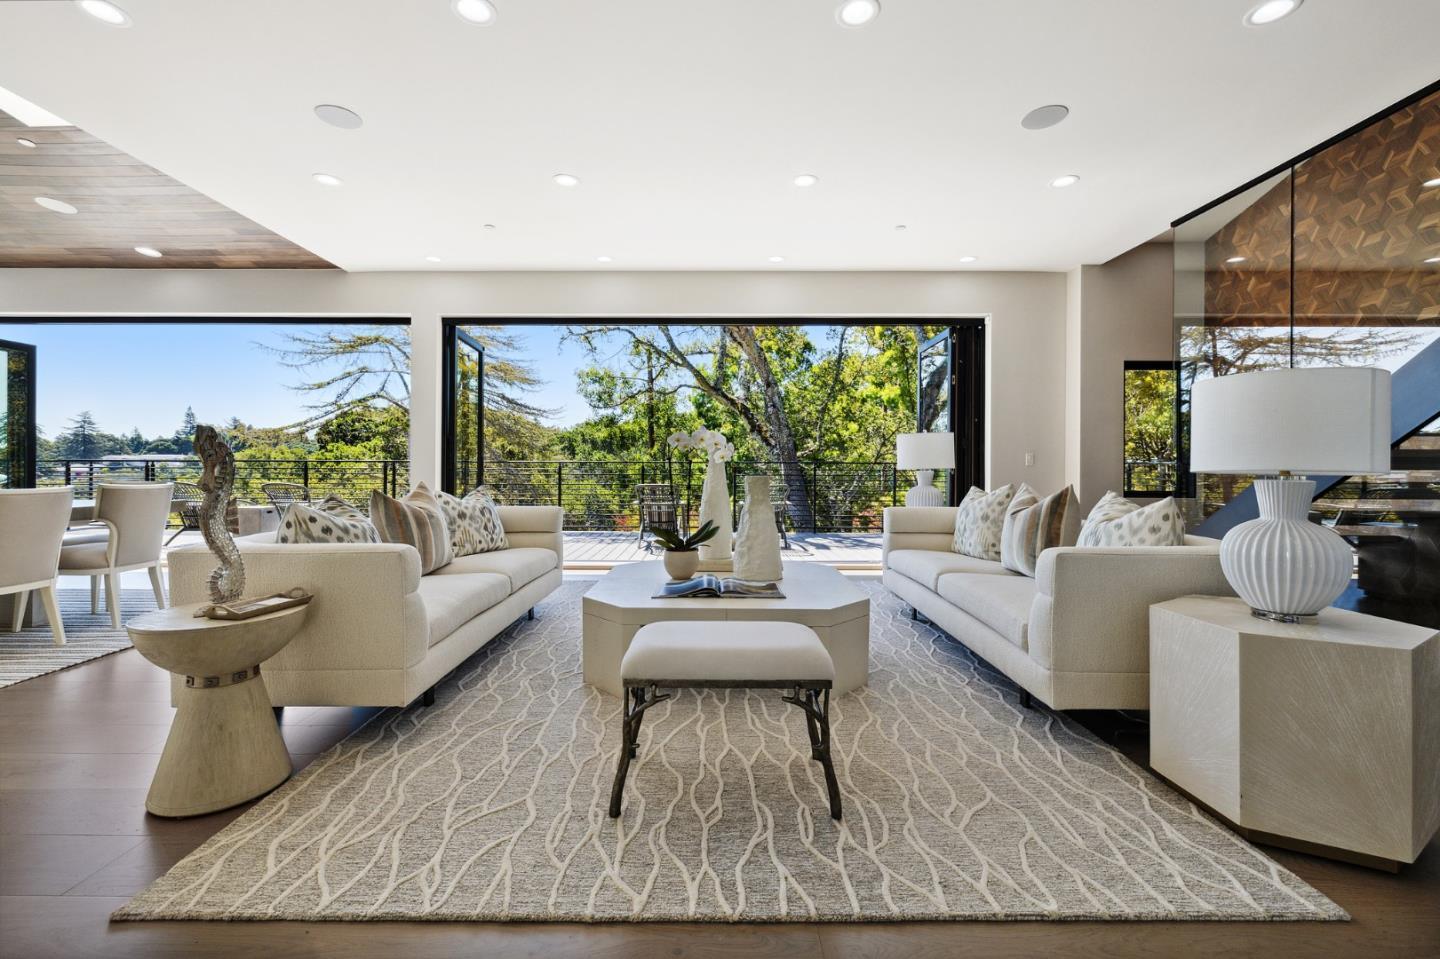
227 582
925 453
1302 421
714 494
757 544
682 555
1322 737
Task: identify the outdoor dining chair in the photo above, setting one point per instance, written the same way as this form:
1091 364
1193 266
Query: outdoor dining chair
282 495
658 510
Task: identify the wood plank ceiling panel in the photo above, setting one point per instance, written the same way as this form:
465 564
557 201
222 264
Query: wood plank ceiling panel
122 204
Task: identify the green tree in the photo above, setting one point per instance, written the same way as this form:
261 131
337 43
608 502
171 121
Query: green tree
84 440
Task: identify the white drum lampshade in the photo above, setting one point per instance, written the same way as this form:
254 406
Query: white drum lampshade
1318 421
925 453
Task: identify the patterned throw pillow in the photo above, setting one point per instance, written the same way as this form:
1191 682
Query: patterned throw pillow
418 521
1033 525
979 521
474 522
1111 506
1159 524
330 521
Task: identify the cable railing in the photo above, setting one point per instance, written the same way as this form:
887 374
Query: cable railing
352 480
818 497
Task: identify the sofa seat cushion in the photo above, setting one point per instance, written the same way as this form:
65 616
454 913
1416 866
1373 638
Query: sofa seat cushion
1000 602
520 565
452 601
926 566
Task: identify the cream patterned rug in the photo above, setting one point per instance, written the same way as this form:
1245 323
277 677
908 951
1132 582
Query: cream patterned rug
491 805
32 651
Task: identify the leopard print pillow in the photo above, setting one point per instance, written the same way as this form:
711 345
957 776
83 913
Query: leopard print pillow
474 522
332 520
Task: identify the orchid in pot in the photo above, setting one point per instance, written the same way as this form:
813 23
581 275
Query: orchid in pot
682 555
714 494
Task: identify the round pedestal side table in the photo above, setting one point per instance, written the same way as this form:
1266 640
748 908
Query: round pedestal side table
224 746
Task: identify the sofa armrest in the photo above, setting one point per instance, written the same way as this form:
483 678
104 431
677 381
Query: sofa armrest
916 527
366 613
542 526
1091 611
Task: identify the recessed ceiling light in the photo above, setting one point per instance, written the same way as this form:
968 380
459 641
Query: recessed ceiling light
1431 183
25 142
806 179
326 179
489 226
565 179
857 13
1270 11
900 228
602 259
1042 117
1060 182
1235 259
149 251
1433 259
105 12
432 259
475 11
338 116
56 206
777 259
968 259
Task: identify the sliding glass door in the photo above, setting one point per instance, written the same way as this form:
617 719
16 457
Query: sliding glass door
950 398
17 415
463 422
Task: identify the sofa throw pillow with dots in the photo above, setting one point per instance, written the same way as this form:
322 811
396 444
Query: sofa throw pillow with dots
332 520
1111 506
1159 524
474 522
979 521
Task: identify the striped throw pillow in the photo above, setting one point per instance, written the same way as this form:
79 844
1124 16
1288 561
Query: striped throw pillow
1033 525
474 522
418 521
330 521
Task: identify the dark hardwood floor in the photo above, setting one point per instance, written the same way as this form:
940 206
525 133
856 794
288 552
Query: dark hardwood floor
77 749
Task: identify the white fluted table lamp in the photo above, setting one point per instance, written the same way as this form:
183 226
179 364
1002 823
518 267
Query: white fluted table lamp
925 453
1296 422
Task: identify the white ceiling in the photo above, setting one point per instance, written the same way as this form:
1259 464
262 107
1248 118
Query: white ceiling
686 121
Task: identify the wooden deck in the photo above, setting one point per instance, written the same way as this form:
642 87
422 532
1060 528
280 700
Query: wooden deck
591 550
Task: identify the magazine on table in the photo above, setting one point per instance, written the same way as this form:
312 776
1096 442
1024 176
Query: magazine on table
710 586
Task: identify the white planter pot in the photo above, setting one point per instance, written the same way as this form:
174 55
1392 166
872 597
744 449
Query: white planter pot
1282 564
681 564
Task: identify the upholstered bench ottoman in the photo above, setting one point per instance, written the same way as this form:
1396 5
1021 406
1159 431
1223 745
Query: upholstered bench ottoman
728 655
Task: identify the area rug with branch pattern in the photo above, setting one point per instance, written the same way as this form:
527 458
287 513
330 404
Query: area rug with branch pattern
491 805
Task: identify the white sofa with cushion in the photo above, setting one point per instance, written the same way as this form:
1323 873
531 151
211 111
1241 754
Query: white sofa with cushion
1077 635
378 633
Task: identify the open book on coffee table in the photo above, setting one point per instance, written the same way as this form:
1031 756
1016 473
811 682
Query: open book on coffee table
714 587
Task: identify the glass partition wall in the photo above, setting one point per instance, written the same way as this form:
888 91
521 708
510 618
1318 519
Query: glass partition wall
17 415
1333 261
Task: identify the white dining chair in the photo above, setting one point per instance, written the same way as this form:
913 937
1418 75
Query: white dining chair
126 534
32 526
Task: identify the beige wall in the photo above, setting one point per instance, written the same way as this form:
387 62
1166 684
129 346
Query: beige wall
1026 315
1121 310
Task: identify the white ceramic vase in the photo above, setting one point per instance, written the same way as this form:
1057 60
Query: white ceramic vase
715 508
757 545
1282 564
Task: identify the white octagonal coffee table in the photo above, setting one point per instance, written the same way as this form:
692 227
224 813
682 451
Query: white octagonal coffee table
816 595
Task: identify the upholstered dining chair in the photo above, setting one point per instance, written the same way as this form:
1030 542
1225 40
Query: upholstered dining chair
32 524
129 526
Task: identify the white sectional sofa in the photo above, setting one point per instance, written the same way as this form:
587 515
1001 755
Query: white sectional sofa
1077 635
378 633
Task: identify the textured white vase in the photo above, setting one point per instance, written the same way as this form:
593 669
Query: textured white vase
1282 564
757 544
715 508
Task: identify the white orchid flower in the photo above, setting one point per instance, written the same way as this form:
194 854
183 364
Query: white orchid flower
679 441
699 438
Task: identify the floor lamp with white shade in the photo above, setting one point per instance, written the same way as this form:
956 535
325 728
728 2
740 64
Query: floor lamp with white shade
1294 423
925 453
